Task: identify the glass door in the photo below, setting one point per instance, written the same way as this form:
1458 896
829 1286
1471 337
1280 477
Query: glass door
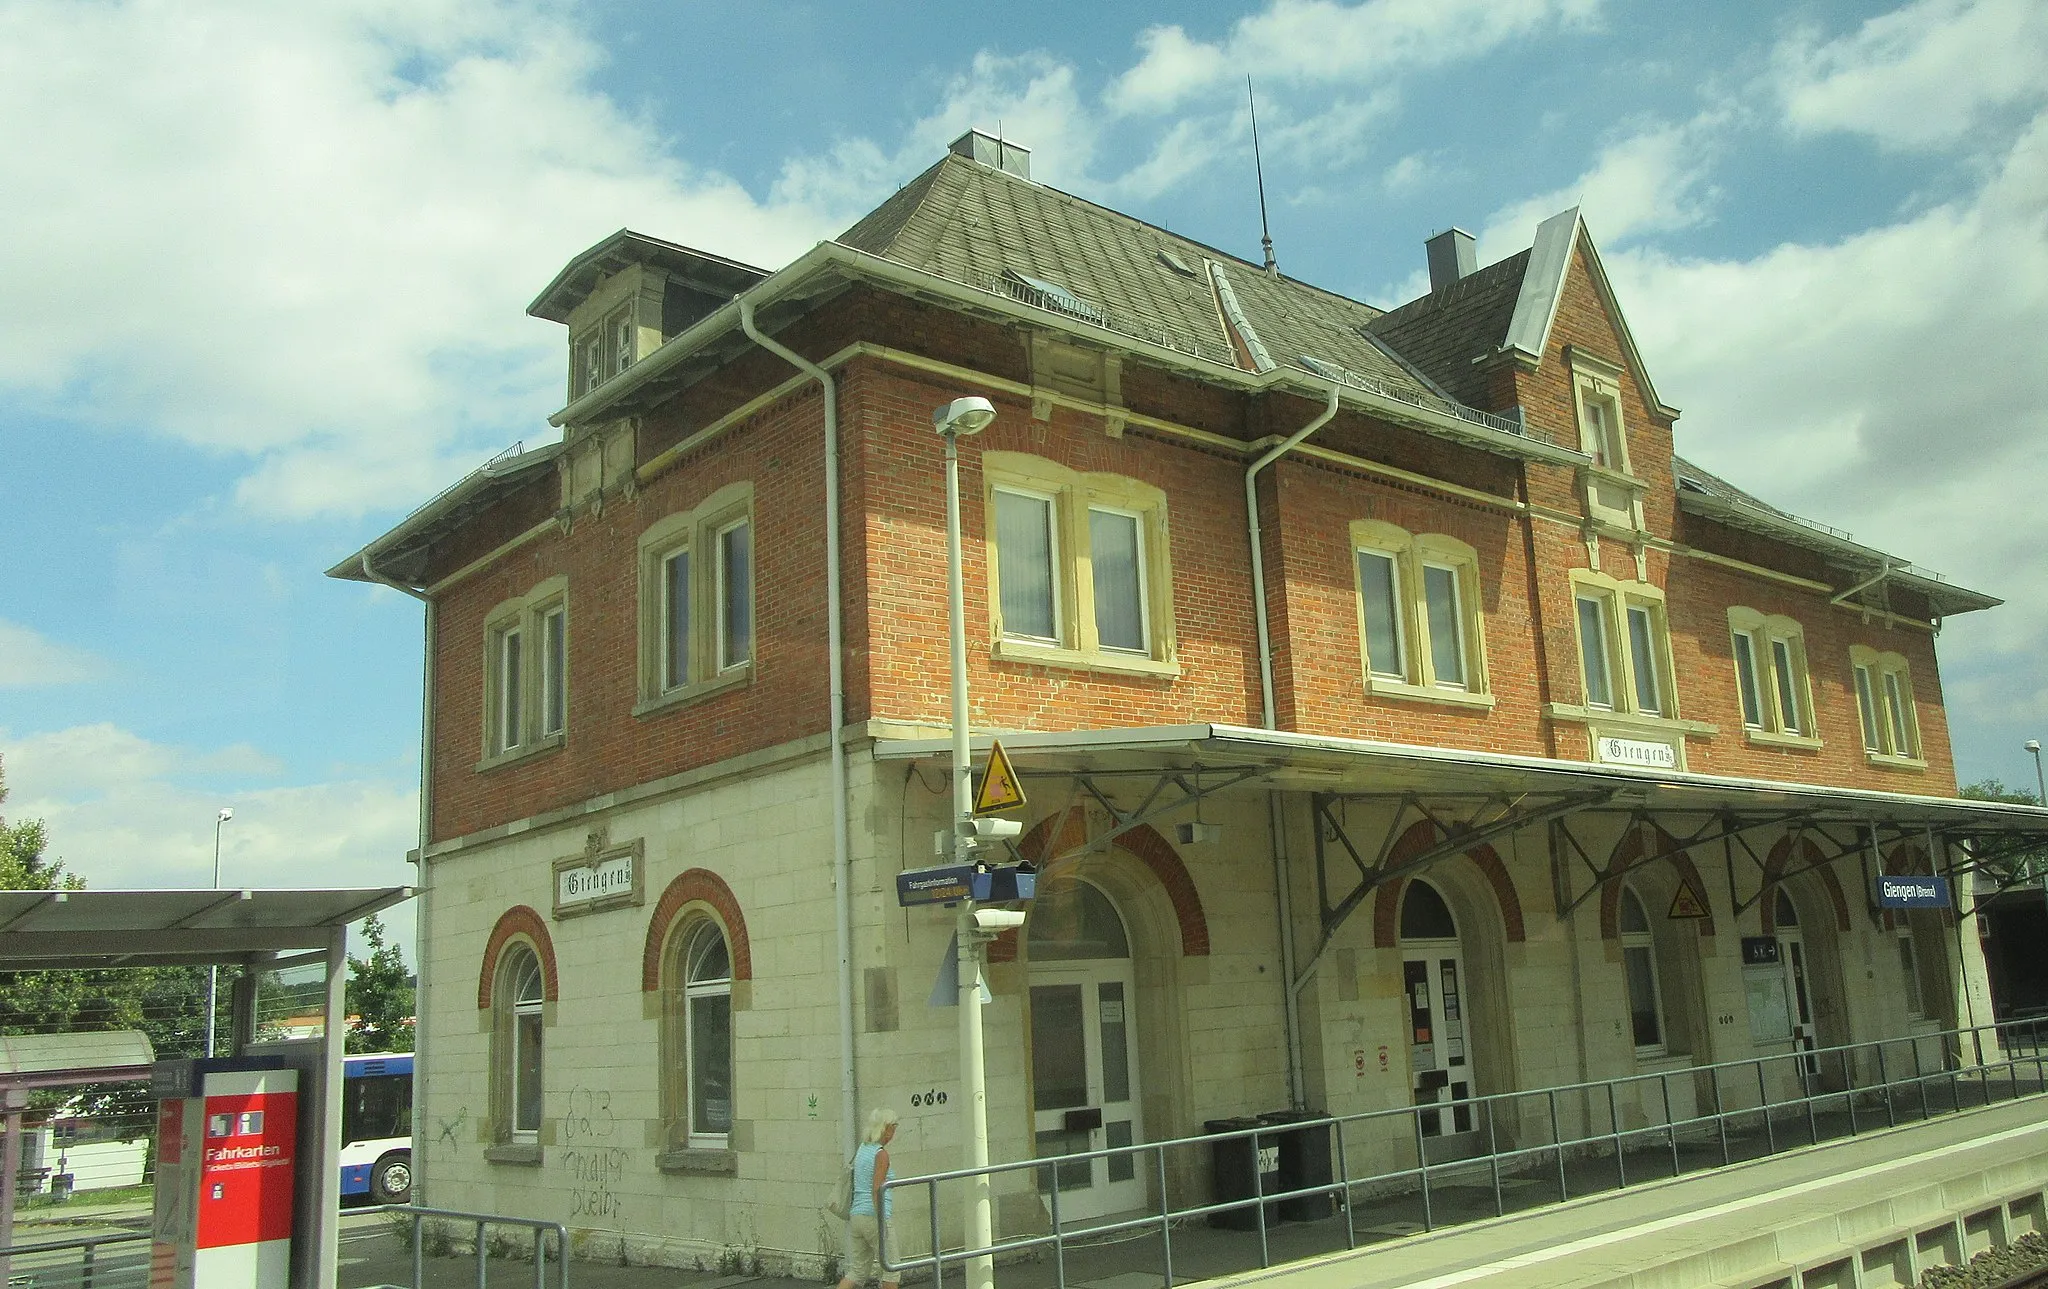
1084 1086
1439 1059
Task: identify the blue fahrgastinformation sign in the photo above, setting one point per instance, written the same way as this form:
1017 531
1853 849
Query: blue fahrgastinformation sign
945 884
1919 892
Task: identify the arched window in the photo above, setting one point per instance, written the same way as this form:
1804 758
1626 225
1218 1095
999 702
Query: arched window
1081 927
707 1034
1639 962
1787 916
1425 916
521 996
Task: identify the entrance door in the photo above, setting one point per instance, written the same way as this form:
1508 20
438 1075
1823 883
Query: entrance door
1792 955
1434 983
1084 1067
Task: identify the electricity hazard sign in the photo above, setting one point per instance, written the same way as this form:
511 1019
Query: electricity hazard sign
1000 787
1688 903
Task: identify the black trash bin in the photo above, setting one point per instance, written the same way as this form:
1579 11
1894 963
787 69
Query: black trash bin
1234 1171
1304 1162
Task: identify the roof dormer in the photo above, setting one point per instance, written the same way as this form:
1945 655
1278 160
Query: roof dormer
626 296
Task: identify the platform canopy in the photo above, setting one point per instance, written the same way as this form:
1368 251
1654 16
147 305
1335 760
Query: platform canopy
1288 761
44 930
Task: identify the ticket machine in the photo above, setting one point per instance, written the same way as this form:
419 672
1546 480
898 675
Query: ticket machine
227 1139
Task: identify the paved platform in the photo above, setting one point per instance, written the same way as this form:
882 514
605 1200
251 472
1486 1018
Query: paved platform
1894 1200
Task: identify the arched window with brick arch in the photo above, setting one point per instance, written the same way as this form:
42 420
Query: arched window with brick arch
698 960
517 986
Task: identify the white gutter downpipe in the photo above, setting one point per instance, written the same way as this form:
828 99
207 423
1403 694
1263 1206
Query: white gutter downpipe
421 1066
1251 510
1276 818
835 630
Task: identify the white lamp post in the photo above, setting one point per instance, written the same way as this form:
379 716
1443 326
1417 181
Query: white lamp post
2034 746
966 416
213 972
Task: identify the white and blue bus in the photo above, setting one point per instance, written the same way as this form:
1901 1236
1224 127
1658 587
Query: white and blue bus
376 1127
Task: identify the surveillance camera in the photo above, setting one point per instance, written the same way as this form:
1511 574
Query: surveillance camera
998 919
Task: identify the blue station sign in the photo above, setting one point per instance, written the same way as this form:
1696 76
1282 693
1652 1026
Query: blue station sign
952 883
1917 892
945 884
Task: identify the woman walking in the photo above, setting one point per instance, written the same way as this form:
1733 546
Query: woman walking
869 1212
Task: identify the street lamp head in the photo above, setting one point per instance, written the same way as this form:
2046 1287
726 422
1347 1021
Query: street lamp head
2034 745
970 415
226 813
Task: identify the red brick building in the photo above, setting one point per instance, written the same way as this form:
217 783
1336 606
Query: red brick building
1524 681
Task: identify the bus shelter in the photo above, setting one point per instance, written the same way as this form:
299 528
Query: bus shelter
250 929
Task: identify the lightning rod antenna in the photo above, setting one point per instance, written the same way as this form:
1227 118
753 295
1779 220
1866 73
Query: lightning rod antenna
1259 167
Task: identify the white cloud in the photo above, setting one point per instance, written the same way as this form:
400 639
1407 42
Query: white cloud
1919 77
1652 181
1883 383
30 658
1029 99
1320 42
305 232
125 812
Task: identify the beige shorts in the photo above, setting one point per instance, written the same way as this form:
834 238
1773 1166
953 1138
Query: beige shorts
865 1261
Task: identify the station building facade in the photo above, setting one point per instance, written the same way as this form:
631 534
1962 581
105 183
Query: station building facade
1404 722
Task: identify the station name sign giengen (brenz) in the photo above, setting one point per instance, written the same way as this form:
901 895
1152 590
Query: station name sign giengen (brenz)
1917 892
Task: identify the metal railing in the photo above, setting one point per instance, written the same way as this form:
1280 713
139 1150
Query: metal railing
78 1263
1870 1085
482 1222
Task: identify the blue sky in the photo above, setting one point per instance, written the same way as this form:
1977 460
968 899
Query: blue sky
266 267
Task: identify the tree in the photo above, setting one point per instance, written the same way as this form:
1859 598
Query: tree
166 1003
380 996
2021 864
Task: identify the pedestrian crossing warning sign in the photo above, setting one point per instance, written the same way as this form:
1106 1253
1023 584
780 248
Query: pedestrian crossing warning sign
1688 903
1000 788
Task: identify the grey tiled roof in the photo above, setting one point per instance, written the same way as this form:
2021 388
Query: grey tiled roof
1692 478
972 223
1444 331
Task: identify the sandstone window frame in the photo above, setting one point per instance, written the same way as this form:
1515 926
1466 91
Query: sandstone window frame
1072 498
1417 625
686 649
603 350
1612 493
1777 675
1633 629
1887 711
526 674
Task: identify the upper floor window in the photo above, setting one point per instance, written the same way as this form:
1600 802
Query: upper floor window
606 349
697 598
1771 677
1624 646
1078 569
526 671
1884 702
1419 622
1603 435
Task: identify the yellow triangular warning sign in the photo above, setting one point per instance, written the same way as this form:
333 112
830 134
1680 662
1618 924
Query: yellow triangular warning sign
1000 788
1688 903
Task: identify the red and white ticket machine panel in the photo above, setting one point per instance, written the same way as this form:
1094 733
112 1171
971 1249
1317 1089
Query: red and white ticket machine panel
225 1157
